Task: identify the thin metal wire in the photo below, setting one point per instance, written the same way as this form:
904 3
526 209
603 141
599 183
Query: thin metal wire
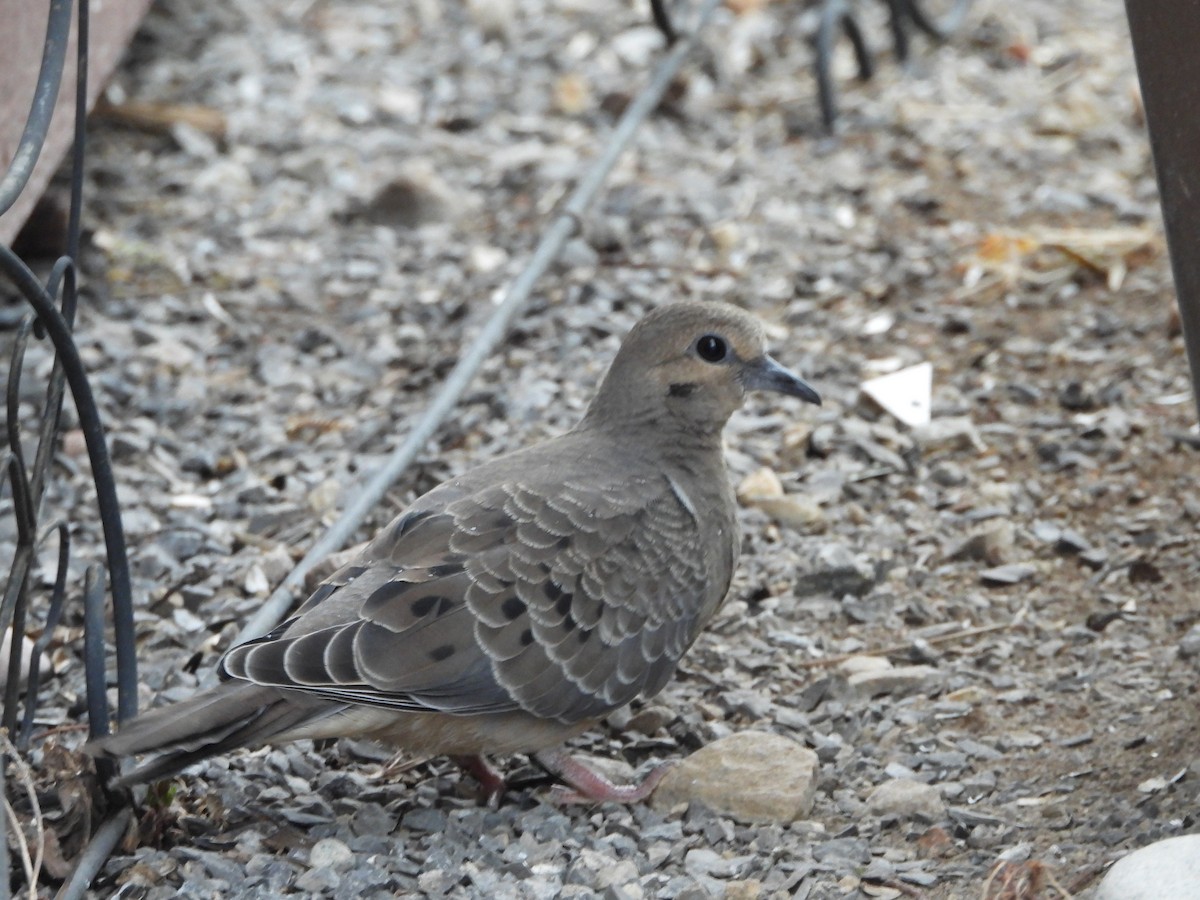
88 863
564 225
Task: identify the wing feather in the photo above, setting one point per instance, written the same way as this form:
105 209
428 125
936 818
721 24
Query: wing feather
564 602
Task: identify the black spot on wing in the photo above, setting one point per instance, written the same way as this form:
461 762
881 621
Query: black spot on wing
441 652
513 608
442 570
322 593
527 637
410 521
681 389
431 603
386 593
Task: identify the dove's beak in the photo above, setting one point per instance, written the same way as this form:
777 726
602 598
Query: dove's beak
765 374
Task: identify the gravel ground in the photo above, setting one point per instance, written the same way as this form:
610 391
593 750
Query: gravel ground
273 290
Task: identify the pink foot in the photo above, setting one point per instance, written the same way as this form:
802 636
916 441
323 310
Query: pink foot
586 786
491 783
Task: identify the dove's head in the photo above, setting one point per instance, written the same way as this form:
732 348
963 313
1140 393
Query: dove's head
692 364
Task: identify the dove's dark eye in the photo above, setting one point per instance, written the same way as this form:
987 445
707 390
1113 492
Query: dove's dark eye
711 348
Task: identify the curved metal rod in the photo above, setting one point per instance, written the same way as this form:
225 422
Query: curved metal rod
662 19
835 17
79 146
836 14
63 273
106 491
940 28
12 396
93 651
53 614
12 607
898 11
58 27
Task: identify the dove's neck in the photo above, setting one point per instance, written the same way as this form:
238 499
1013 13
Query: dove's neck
650 425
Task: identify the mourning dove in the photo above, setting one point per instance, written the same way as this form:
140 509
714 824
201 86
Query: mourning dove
512 607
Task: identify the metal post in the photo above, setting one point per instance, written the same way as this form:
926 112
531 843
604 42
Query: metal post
1166 35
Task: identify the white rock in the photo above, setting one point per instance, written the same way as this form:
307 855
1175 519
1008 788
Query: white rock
761 484
493 17
856 664
907 799
897 681
1189 645
637 47
256 583
751 776
1169 868
483 258
792 511
954 433
762 488
330 852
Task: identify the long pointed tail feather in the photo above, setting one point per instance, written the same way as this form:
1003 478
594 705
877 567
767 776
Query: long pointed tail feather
228 716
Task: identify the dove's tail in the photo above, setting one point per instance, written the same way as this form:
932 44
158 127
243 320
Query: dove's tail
228 716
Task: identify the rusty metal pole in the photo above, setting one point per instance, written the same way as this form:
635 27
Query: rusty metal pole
1166 47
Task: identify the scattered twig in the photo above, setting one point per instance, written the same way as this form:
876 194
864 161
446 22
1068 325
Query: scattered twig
32 867
160 117
1021 881
65 728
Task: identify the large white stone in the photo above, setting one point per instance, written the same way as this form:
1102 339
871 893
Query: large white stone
1166 870
751 776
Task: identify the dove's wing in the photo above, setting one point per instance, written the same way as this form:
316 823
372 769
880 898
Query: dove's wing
565 603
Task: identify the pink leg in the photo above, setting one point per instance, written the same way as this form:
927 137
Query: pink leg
588 786
491 782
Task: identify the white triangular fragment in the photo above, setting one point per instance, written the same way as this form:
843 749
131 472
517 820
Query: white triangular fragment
906 394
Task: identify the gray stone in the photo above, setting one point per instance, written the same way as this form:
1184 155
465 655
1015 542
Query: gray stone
1013 573
316 881
853 850
751 776
1189 645
905 798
